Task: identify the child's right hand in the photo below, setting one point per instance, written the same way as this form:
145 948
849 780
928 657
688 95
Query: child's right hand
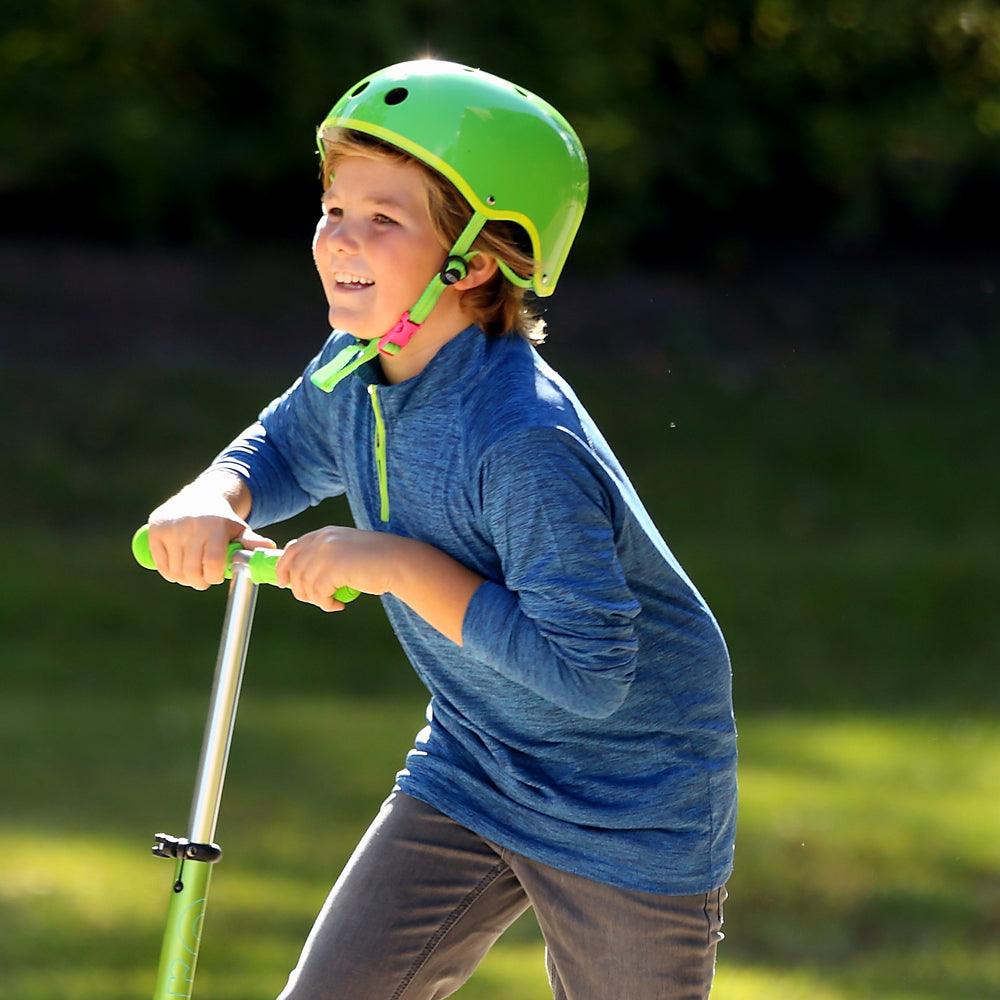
190 533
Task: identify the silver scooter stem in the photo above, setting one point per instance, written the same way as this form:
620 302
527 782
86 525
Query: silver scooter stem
225 697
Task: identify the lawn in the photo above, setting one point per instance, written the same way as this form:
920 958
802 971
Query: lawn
866 861
840 518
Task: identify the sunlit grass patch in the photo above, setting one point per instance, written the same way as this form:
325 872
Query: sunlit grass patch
750 982
866 859
866 843
906 794
515 968
92 880
941 973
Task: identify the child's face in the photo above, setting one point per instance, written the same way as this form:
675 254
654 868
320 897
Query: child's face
375 227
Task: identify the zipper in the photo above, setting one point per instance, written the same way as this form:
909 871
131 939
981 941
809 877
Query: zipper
380 462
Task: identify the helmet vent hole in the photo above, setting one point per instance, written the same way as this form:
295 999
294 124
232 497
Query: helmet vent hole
357 90
397 95
521 92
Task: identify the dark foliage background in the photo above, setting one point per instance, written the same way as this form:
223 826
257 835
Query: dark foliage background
710 125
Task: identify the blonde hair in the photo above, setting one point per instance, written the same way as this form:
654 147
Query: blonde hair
497 305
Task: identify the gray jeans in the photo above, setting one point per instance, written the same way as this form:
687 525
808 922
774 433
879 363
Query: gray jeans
422 900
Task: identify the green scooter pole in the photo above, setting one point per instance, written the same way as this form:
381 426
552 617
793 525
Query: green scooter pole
195 854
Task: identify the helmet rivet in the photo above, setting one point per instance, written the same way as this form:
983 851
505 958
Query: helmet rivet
491 200
397 95
454 269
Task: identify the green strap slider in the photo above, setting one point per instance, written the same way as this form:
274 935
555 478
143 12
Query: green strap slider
343 363
261 565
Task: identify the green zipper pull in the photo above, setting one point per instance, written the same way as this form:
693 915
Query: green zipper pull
380 461
346 361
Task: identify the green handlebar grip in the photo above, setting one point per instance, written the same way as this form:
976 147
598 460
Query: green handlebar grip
261 564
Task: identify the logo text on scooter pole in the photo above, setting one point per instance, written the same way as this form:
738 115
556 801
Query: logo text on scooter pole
180 975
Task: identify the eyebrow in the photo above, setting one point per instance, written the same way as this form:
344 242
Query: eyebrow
385 201
379 200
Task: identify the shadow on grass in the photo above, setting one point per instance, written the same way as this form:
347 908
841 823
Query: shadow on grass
844 870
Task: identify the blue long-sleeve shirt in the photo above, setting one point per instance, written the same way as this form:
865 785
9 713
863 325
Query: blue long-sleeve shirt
586 720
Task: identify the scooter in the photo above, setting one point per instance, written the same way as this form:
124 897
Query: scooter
195 854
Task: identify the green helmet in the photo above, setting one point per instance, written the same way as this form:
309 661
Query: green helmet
510 154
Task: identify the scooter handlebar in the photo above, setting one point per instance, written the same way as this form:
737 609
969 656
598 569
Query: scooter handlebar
260 564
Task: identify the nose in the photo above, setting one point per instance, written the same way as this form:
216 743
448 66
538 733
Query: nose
335 235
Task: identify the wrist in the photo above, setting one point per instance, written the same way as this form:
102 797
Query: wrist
225 489
431 583
401 557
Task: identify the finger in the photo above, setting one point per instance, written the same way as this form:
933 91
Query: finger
321 589
175 557
329 604
310 576
299 591
192 568
294 575
213 566
283 567
251 540
161 556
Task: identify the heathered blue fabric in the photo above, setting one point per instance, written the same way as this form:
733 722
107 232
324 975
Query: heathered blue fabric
586 721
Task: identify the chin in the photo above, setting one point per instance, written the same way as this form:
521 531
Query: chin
344 324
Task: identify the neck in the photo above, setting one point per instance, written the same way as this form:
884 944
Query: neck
426 342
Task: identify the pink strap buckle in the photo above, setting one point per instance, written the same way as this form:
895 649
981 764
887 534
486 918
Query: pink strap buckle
399 336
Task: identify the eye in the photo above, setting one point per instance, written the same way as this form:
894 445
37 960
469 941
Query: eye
333 211
383 220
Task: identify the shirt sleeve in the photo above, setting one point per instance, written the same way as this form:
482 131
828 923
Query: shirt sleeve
561 622
287 457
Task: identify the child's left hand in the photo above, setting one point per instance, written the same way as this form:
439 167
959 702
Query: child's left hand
316 564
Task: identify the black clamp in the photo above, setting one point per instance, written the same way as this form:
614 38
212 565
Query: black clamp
182 849
454 269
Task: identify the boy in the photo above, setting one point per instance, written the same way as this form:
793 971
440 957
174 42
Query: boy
579 755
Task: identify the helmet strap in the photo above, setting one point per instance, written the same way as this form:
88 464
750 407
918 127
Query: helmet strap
454 268
512 276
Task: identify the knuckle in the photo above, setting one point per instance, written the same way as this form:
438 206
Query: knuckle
214 568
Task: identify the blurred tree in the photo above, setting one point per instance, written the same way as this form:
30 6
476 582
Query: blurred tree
176 120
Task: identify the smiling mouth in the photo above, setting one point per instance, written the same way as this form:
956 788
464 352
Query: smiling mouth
345 279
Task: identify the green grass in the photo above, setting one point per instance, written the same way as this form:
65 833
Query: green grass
841 520
866 860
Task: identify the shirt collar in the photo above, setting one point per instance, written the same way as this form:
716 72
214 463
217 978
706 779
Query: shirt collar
455 363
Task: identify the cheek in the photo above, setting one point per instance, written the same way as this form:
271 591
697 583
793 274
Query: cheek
423 258
318 235
319 255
